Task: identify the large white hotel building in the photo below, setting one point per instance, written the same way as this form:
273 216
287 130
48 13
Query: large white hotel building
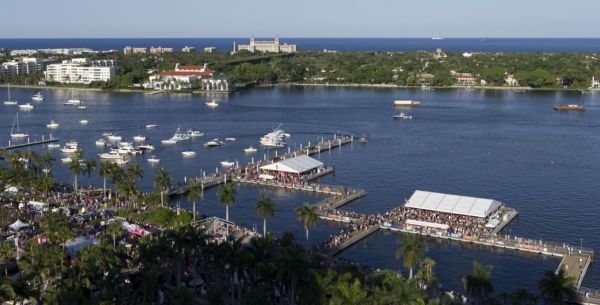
80 71
266 46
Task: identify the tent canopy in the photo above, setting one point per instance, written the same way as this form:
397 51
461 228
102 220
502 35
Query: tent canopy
17 225
295 165
452 204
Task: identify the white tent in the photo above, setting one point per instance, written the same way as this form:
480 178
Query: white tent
18 225
452 204
295 165
37 205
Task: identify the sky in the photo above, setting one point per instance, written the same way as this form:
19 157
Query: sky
306 18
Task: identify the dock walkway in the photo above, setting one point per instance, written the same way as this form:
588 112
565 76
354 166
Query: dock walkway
356 237
41 141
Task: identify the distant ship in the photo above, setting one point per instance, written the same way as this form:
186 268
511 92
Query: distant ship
569 107
437 38
407 103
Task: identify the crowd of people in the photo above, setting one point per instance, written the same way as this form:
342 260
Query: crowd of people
458 224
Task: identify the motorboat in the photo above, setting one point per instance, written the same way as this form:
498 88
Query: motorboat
9 101
363 139
82 107
213 143
119 161
227 163
139 138
126 148
70 147
52 125
177 137
26 106
114 138
569 107
100 142
402 116
407 103
153 159
107 134
17 134
72 143
146 147
66 160
274 139
150 126
188 153
230 139
83 122
212 104
53 145
113 154
250 150
194 133
38 97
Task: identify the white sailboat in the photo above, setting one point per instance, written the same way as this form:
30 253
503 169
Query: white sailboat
18 134
26 106
72 101
52 125
9 101
212 104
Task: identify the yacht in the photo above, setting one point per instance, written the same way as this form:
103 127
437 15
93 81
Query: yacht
66 160
402 116
83 122
194 133
114 138
9 101
38 97
146 147
119 161
52 125
250 150
407 103
213 143
18 134
437 38
72 101
212 104
26 106
188 153
111 155
107 134
153 159
82 107
150 126
100 142
70 147
126 148
139 138
177 137
53 145
230 139
227 163
274 139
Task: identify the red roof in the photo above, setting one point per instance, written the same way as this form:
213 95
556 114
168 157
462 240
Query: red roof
186 73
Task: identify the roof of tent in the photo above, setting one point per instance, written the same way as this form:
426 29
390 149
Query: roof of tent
17 225
453 204
296 165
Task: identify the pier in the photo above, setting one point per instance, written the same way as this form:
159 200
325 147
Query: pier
41 141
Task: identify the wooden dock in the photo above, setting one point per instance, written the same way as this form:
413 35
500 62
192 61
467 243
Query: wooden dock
575 265
340 199
30 143
356 237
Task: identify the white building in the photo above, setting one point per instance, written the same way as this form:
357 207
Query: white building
24 66
266 46
78 71
183 78
27 52
210 49
187 49
595 82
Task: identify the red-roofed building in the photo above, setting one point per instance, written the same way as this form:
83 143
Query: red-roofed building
183 77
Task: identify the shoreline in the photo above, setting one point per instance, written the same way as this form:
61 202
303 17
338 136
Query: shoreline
121 90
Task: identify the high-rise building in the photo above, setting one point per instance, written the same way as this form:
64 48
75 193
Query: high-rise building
79 71
266 46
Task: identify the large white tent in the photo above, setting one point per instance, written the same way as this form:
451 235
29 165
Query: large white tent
18 225
452 204
296 165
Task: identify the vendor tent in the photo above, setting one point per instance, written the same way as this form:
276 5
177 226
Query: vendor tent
295 165
452 204
18 225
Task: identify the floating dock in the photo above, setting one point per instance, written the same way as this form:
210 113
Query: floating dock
30 143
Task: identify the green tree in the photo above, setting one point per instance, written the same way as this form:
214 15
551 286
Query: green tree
557 287
411 251
478 285
104 171
115 229
265 208
195 192
89 166
162 182
226 195
76 169
308 215
135 171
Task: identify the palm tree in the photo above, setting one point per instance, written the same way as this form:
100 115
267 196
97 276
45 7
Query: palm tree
265 208
116 175
226 196
195 192
412 250
307 214
135 171
556 287
46 184
104 171
115 229
425 272
478 284
352 293
290 267
47 160
89 166
76 169
162 181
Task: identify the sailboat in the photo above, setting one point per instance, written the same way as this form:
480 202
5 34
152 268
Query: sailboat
72 101
9 102
18 134
212 104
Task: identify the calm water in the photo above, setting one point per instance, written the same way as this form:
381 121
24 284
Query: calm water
318 44
506 145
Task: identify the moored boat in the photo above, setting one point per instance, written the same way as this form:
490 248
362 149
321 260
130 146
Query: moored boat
569 107
213 143
250 150
212 104
407 103
402 116
38 97
26 106
52 125
227 163
139 138
153 159
188 153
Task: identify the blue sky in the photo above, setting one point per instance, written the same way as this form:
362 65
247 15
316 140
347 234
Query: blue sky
307 18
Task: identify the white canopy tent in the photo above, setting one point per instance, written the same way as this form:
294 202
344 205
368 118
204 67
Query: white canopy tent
18 225
452 204
295 165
